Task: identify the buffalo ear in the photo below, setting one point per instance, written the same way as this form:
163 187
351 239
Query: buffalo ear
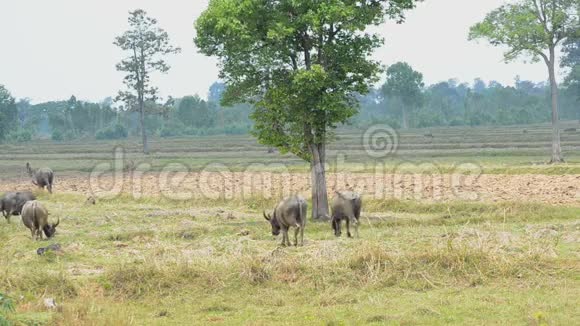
268 218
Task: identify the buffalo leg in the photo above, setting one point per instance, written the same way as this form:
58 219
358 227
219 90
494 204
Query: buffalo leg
284 236
337 226
287 237
348 228
33 234
296 236
302 236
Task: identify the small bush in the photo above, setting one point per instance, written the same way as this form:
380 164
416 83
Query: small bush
173 128
456 122
57 135
236 130
117 131
21 136
190 131
168 132
68 135
211 131
6 307
6 304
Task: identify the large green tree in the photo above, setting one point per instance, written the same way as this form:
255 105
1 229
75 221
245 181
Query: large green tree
571 60
301 63
406 85
195 112
533 28
8 113
146 46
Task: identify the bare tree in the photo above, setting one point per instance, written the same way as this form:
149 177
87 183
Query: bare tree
145 44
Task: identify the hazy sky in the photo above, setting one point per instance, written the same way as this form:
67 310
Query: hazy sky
54 49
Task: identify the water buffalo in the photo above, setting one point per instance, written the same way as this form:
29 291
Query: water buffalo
346 205
35 217
42 177
11 203
290 212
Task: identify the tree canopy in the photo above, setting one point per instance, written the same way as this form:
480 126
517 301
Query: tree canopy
406 85
529 27
300 62
193 111
8 113
571 60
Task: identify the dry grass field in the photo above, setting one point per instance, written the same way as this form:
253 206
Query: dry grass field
459 226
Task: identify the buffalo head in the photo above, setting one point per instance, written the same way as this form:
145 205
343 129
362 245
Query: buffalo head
50 229
274 223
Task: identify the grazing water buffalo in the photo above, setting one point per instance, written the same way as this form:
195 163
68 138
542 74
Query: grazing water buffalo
346 205
42 177
290 212
35 217
11 203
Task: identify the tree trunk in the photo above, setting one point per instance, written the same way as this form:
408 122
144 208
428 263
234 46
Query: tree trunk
556 148
319 194
143 131
405 118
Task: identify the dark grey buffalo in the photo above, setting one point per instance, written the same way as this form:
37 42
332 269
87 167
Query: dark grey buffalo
35 217
11 203
290 212
346 205
42 177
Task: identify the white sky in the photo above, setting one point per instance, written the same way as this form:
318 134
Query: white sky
54 49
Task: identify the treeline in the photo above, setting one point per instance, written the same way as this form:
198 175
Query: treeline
73 119
451 103
447 103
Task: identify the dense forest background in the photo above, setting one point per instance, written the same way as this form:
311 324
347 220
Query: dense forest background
448 103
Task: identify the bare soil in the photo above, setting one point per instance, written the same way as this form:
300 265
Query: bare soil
551 189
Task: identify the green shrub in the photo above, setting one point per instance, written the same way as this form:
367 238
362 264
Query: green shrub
6 307
117 131
456 122
68 135
167 132
57 135
21 135
227 130
190 131
236 130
